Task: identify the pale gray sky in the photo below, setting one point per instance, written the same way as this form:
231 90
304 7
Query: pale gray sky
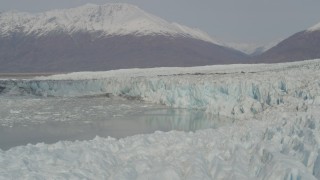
248 21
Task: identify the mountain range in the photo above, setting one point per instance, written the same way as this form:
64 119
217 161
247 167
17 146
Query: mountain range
116 36
102 37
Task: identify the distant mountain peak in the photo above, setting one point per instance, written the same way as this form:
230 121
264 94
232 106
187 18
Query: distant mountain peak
314 28
109 9
108 19
252 49
115 6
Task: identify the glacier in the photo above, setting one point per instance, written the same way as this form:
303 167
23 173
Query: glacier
275 134
216 89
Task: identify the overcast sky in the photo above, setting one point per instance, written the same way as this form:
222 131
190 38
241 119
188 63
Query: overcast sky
247 21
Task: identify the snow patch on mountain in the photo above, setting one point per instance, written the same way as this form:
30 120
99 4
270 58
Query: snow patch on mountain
314 28
108 20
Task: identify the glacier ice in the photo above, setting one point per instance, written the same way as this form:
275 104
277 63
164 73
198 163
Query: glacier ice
232 94
275 134
285 149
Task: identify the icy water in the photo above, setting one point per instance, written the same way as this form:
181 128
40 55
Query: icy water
32 120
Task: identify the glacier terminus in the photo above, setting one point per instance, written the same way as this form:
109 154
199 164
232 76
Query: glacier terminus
272 132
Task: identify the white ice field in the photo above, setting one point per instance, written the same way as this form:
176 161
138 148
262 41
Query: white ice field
274 132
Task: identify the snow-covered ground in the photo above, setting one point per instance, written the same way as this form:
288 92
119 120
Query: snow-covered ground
275 134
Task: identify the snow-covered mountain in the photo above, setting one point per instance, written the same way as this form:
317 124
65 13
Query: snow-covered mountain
300 46
108 19
103 37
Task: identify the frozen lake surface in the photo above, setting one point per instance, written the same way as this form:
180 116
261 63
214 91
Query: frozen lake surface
35 119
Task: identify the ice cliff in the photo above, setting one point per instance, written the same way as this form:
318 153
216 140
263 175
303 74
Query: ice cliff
242 93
